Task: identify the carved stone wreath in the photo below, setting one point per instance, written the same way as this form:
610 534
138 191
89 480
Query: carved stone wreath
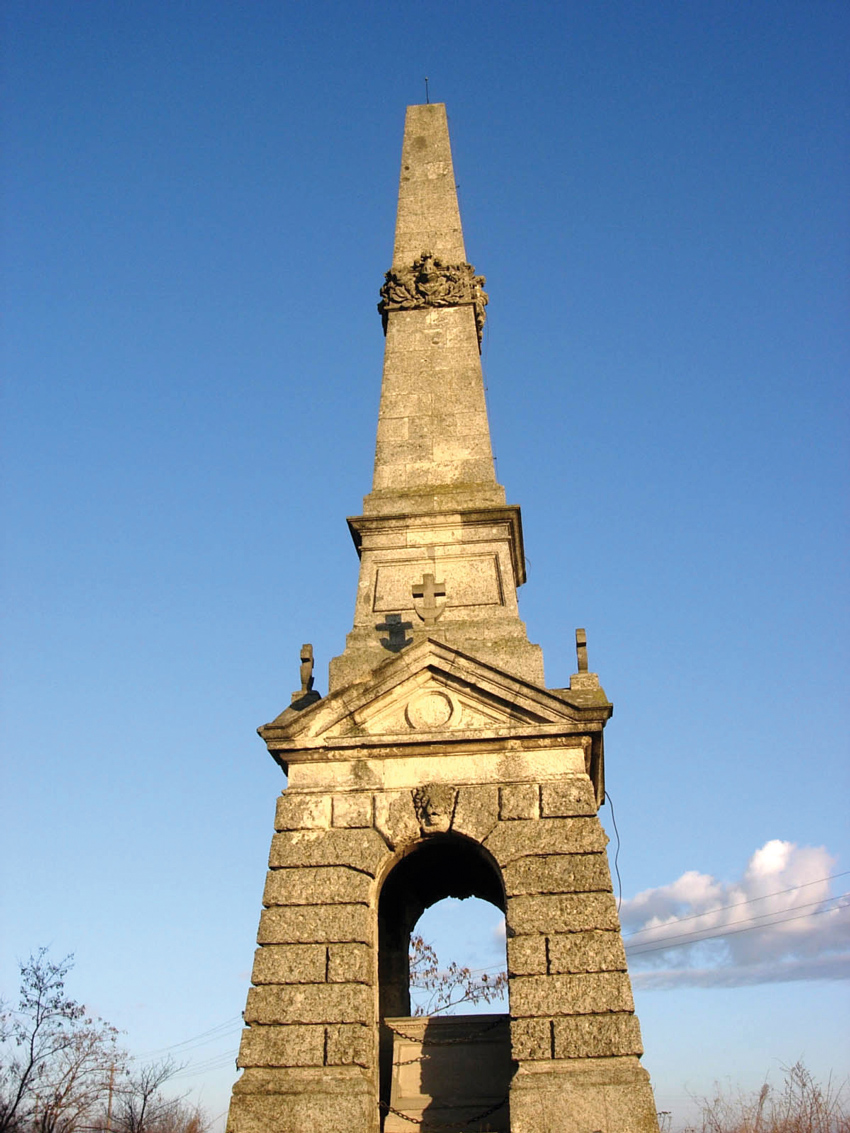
432 283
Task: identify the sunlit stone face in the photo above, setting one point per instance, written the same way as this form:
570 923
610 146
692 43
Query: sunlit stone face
434 805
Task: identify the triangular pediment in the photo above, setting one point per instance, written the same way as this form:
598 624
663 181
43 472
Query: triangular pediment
430 692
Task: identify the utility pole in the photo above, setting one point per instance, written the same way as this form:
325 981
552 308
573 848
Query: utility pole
109 1101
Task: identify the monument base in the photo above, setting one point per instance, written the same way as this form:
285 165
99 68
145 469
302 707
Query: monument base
602 1095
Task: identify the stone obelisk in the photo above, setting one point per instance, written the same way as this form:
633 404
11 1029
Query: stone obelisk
438 765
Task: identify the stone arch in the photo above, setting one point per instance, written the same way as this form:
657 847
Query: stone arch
443 865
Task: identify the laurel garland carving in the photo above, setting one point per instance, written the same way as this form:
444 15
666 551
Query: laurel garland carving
430 282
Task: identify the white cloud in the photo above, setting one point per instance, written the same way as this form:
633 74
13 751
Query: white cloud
780 921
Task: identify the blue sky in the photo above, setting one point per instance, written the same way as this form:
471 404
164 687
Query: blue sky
200 204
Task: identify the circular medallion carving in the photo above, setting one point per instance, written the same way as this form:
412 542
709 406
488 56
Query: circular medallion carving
430 710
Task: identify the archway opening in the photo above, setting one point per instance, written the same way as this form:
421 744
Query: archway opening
443 866
458 959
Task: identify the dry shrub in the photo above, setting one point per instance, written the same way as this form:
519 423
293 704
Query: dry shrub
802 1105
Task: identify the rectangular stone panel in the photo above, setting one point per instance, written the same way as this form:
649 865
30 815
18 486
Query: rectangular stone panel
597 1036
350 963
531 1039
568 912
568 799
527 955
290 964
512 840
302 811
469 580
317 885
310 1003
349 1045
282 1046
521 800
558 873
364 848
587 952
585 994
297 924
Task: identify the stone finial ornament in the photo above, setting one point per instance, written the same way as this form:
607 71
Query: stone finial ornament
306 694
306 668
434 805
429 282
581 650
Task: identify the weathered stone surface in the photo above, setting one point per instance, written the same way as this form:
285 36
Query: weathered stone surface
527 955
568 912
597 1036
302 812
395 818
558 873
531 1039
585 994
350 963
587 952
310 1003
476 811
352 810
522 800
290 964
364 848
296 924
349 1045
608 1095
317 885
298 1099
512 840
282 1046
568 799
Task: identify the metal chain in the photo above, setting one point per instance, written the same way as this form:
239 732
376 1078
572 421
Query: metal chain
454 1127
468 1037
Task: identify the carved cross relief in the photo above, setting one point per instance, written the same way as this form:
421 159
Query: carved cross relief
425 595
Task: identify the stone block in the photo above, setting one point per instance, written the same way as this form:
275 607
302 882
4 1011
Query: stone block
568 799
567 912
521 800
527 955
395 818
531 1039
321 924
350 963
606 1095
512 840
558 873
349 1045
310 1003
290 964
297 1099
317 885
476 811
587 952
597 1036
302 812
354 810
585 994
282 1046
329 847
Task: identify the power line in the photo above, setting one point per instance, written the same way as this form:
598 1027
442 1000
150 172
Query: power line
187 1042
681 941
738 904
